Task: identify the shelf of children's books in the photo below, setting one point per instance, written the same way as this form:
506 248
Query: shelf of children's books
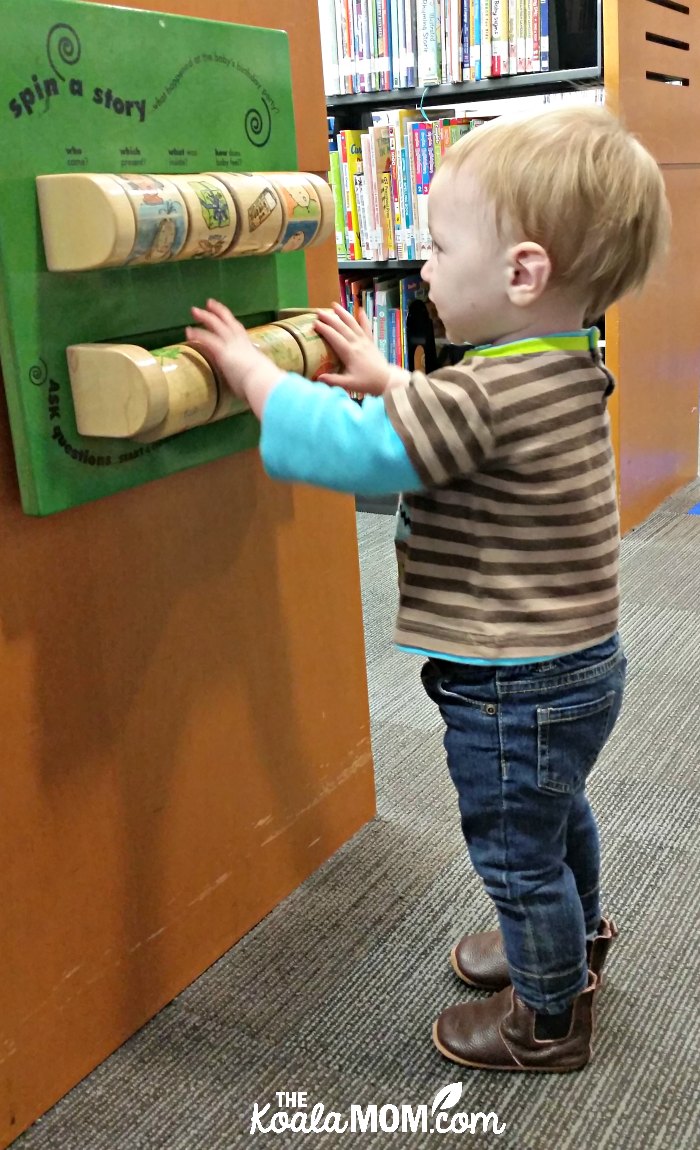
379 265
542 82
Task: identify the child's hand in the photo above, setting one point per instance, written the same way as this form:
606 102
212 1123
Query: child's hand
249 374
365 369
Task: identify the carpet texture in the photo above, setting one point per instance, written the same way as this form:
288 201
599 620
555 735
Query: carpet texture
334 993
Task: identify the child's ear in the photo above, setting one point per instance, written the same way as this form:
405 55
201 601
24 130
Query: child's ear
529 271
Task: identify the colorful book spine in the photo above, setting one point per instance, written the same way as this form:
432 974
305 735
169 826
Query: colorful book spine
394 336
410 43
397 226
544 35
381 146
383 45
512 37
407 202
327 18
426 27
410 288
421 132
475 41
485 8
371 251
393 32
535 35
442 29
499 37
456 66
383 302
412 214
466 26
528 36
345 47
521 34
335 180
360 200
378 54
350 147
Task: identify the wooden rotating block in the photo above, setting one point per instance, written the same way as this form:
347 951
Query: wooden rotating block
212 216
301 207
161 217
318 357
260 214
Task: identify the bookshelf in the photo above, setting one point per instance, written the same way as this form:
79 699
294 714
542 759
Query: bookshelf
435 95
644 54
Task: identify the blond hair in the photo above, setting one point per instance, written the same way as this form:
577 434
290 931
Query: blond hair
576 182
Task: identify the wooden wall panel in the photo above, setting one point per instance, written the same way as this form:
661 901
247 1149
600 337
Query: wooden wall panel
183 707
651 339
666 117
659 366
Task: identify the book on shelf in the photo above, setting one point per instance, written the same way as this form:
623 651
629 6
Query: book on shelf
397 306
350 149
335 180
382 45
386 301
396 120
381 191
544 35
499 37
381 177
369 207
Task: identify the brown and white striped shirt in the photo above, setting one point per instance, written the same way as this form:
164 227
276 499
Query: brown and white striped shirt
513 544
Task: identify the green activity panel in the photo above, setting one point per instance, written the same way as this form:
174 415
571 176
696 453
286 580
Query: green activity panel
144 162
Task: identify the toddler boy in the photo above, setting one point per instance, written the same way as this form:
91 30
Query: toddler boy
509 534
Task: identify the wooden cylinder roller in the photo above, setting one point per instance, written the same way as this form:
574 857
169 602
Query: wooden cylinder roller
121 391
95 220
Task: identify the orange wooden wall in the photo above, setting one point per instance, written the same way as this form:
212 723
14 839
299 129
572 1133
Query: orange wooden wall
652 340
183 707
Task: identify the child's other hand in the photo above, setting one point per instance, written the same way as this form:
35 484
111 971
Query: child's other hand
245 369
365 369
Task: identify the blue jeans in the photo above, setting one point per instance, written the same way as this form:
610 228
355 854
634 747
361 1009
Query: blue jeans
521 742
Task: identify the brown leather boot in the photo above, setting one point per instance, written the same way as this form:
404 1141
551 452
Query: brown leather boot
499 1034
480 960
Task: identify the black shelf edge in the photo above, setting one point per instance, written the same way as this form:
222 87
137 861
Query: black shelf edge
379 265
495 87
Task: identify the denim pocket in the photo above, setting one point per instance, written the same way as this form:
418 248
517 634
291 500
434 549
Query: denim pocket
446 690
569 740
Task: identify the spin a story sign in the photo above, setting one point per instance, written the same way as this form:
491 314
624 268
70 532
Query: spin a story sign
63 51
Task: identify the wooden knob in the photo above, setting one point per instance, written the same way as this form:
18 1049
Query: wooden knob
87 221
118 389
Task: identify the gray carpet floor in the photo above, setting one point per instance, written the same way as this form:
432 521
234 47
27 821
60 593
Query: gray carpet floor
334 992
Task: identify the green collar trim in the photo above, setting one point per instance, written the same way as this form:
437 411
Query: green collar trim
586 340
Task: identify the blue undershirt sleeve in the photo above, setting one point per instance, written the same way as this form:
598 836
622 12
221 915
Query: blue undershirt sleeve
316 434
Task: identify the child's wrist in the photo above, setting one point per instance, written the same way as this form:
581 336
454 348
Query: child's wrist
396 377
258 382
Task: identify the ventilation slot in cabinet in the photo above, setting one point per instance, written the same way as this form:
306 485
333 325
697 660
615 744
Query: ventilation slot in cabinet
665 78
668 42
672 5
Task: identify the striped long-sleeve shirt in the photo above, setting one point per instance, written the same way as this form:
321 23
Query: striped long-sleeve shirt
512 543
